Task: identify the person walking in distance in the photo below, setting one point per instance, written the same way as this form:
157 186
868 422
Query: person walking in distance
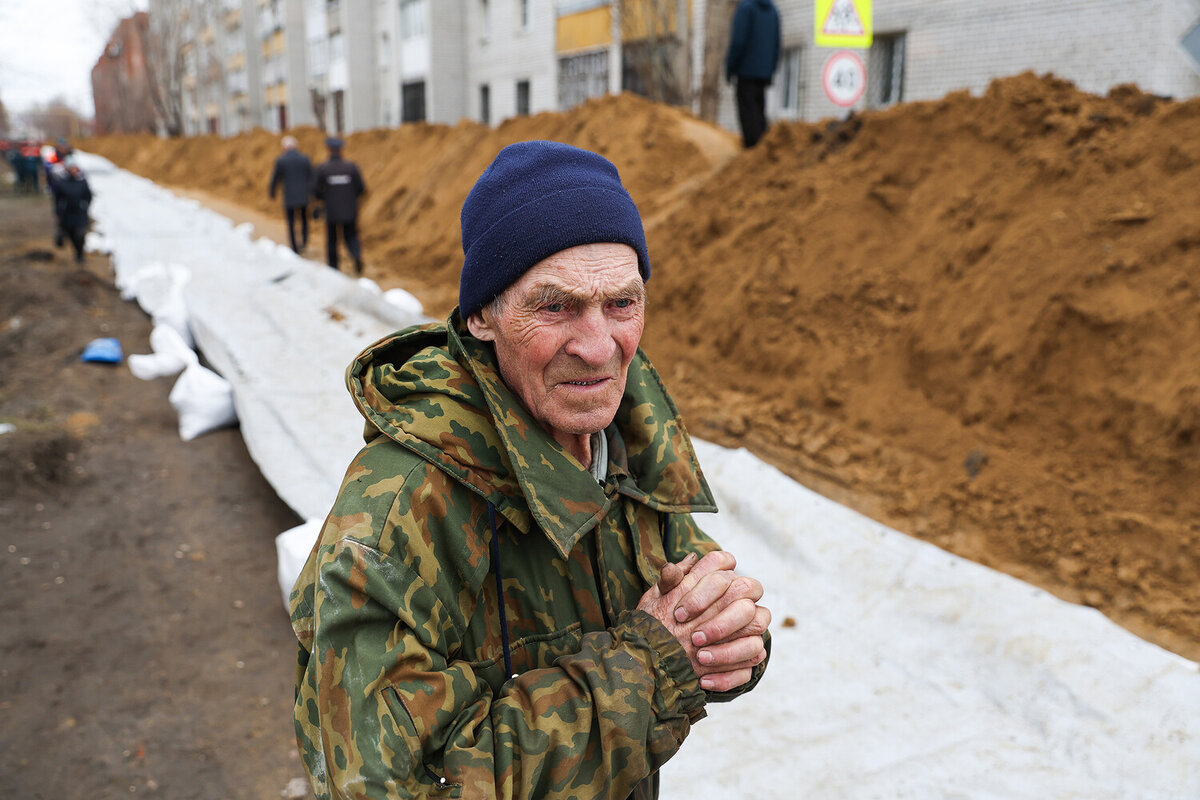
72 197
337 185
751 58
294 172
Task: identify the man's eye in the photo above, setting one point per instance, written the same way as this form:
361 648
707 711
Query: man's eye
624 302
555 308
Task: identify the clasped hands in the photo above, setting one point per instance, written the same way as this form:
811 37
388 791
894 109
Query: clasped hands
714 613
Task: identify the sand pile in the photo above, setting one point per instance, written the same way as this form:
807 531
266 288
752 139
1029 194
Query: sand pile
418 175
977 319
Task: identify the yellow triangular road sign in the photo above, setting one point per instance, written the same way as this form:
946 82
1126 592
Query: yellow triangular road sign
843 23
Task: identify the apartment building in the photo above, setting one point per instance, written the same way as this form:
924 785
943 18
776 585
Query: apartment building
510 58
419 81
120 84
348 65
242 97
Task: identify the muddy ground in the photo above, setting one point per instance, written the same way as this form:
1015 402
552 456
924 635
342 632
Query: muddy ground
144 648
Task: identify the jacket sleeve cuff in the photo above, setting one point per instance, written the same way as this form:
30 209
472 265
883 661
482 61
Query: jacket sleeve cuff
755 676
677 693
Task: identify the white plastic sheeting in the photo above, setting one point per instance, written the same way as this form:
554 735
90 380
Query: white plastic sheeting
281 329
910 673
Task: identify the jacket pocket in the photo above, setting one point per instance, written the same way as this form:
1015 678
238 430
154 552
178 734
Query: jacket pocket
425 770
536 651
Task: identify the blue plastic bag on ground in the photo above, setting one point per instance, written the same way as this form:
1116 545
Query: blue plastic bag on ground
103 351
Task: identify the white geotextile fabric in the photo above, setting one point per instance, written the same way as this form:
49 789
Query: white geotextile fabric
910 673
280 328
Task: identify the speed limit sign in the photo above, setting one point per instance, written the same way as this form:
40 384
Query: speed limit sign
844 78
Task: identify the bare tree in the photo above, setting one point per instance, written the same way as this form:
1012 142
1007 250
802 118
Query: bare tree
654 37
319 102
56 120
717 18
4 125
167 53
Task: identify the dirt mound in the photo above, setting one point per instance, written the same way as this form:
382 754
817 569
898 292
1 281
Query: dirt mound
976 319
418 175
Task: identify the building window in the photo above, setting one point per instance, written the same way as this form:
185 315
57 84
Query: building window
413 18
486 17
885 70
319 57
485 104
412 100
581 77
789 81
523 14
523 98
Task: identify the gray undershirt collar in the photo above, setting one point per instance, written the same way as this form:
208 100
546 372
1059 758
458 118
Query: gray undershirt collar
599 468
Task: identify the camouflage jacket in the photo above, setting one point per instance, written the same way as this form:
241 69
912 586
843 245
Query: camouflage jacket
411 681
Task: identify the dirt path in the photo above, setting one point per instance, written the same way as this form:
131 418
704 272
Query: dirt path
144 649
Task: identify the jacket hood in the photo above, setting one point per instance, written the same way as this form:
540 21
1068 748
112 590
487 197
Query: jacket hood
436 390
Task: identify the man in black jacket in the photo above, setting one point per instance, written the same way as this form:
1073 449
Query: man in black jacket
294 171
72 196
338 184
752 57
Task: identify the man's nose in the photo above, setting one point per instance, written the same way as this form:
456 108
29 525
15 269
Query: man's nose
591 338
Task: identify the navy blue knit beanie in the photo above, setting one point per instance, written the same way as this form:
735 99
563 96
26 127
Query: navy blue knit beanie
535 199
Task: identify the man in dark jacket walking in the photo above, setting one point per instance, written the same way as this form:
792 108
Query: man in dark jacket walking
72 196
294 171
751 58
337 185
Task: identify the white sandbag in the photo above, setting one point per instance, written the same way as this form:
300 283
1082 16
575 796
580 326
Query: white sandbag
173 312
158 289
203 400
369 286
171 354
292 547
96 242
404 301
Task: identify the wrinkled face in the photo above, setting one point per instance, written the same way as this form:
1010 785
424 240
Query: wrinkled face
564 336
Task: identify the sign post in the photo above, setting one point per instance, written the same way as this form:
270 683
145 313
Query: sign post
844 78
843 24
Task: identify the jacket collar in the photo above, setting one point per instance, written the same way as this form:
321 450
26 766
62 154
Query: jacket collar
485 438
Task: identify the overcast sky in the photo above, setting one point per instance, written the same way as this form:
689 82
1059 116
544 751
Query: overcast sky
48 48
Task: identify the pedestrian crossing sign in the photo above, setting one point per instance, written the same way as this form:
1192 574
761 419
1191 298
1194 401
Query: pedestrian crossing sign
843 23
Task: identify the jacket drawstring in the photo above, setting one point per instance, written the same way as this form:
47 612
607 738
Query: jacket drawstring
508 670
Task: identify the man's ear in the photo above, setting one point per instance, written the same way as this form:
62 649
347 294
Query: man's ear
480 328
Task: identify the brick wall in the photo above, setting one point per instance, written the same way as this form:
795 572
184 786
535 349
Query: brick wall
964 44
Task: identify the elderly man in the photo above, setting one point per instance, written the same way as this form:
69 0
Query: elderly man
510 598
294 172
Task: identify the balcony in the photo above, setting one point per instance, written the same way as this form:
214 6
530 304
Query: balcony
333 17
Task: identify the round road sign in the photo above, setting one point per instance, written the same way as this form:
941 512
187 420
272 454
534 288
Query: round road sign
844 78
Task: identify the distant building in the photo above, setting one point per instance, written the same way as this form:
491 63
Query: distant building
349 65
120 86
